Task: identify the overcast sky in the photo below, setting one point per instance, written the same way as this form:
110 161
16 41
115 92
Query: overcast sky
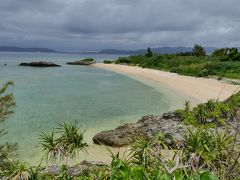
123 24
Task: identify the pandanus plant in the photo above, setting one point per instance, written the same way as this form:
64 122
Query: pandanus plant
63 143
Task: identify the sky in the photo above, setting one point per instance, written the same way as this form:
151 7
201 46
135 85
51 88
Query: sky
89 25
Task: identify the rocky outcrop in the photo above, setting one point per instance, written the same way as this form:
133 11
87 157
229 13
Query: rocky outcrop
88 61
40 64
170 124
148 126
122 135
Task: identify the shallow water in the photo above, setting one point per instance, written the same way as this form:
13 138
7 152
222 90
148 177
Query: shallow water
97 98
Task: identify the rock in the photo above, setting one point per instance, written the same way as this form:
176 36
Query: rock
147 126
123 135
87 61
156 124
172 116
40 64
54 170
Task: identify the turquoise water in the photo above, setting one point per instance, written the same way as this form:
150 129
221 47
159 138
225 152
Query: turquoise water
97 98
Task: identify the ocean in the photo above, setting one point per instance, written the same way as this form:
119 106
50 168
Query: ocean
98 99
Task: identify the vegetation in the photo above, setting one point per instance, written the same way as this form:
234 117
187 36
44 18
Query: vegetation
198 50
149 53
222 63
107 62
211 113
87 60
227 54
206 154
65 143
7 104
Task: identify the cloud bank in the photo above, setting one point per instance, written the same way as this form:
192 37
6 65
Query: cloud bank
125 24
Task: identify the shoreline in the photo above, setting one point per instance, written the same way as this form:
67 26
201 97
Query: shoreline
196 90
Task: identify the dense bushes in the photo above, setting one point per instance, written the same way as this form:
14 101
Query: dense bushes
227 54
202 66
211 113
107 62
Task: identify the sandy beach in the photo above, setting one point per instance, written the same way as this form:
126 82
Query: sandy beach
198 90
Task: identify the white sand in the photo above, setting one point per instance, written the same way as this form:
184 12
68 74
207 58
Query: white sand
200 89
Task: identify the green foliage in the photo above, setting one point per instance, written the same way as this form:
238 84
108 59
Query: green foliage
107 62
122 60
211 113
197 65
64 143
19 170
227 54
203 73
206 155
7 102
64 173
87 60
149 53
206 147
8 150
198 50
141 150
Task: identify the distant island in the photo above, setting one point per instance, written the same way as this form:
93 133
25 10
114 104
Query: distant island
20 49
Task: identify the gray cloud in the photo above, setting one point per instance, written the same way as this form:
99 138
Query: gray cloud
125 24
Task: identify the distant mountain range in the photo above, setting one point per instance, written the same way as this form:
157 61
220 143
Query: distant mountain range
161 50
20 49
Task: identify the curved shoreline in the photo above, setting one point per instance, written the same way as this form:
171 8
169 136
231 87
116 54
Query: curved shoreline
197 90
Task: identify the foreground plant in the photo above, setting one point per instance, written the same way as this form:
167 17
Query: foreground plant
7 104
64 143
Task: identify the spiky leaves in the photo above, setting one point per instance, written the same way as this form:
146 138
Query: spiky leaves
210 113
50 145
64 143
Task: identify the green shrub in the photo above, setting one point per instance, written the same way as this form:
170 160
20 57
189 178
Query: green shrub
212 113
174 69
107 62
87 60
203 73
198 66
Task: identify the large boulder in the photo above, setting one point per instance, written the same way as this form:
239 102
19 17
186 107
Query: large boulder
121 136
147 126
40 64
